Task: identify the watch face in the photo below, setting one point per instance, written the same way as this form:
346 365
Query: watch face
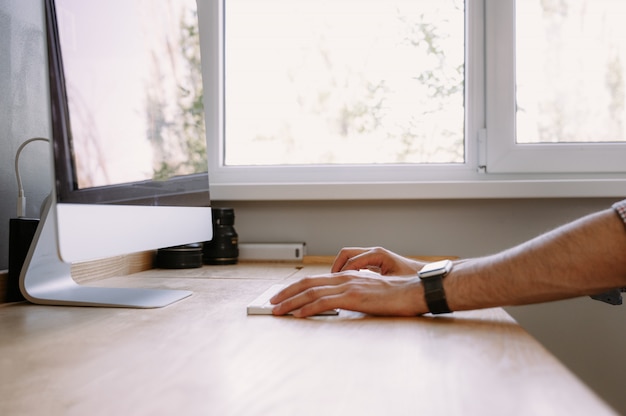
438 268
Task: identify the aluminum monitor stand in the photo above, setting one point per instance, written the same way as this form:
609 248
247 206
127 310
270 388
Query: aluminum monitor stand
47 280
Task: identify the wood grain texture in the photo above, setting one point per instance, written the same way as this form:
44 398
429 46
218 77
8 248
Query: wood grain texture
113 266
204 356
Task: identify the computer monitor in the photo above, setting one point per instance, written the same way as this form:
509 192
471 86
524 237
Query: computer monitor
128 145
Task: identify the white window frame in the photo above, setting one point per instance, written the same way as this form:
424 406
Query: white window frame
473 179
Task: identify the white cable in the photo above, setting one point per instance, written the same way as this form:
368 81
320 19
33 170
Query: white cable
21 199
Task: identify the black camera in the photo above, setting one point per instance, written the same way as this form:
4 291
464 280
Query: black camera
223 248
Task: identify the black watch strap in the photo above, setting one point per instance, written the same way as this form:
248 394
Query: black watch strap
435 295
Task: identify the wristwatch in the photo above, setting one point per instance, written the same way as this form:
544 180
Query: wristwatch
432 279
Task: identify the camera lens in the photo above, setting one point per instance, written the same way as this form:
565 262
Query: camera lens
223 248
180 257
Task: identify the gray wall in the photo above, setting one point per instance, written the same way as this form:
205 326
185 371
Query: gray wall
428 227
23 111
588 336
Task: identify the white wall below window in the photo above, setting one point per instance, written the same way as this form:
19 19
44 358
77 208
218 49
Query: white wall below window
476 187
461 227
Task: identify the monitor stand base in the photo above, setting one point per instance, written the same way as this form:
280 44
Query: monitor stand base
47 280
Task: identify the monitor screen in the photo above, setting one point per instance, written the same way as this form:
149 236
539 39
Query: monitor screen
128 96
128 141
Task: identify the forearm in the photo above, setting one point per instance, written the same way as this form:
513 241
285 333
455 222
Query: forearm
582 258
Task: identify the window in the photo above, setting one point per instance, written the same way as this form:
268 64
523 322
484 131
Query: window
565 44
408 98
555 85
344 82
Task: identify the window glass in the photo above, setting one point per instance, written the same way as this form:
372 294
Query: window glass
570 71
315 82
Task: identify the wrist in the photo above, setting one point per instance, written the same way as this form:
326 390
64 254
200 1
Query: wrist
407 267
416 303
461 285
418 265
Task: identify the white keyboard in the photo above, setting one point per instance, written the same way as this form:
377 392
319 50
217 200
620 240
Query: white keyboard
262 305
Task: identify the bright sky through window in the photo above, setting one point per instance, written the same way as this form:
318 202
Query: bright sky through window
344 82
571 71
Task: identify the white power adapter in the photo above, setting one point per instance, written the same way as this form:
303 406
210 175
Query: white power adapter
272 251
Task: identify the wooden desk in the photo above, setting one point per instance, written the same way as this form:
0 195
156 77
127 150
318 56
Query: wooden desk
204 356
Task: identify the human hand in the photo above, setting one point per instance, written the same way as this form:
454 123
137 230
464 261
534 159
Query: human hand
360 291
376 259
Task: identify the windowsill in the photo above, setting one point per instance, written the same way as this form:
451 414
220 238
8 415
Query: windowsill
459 189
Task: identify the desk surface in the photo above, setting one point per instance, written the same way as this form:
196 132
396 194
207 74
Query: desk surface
203 355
